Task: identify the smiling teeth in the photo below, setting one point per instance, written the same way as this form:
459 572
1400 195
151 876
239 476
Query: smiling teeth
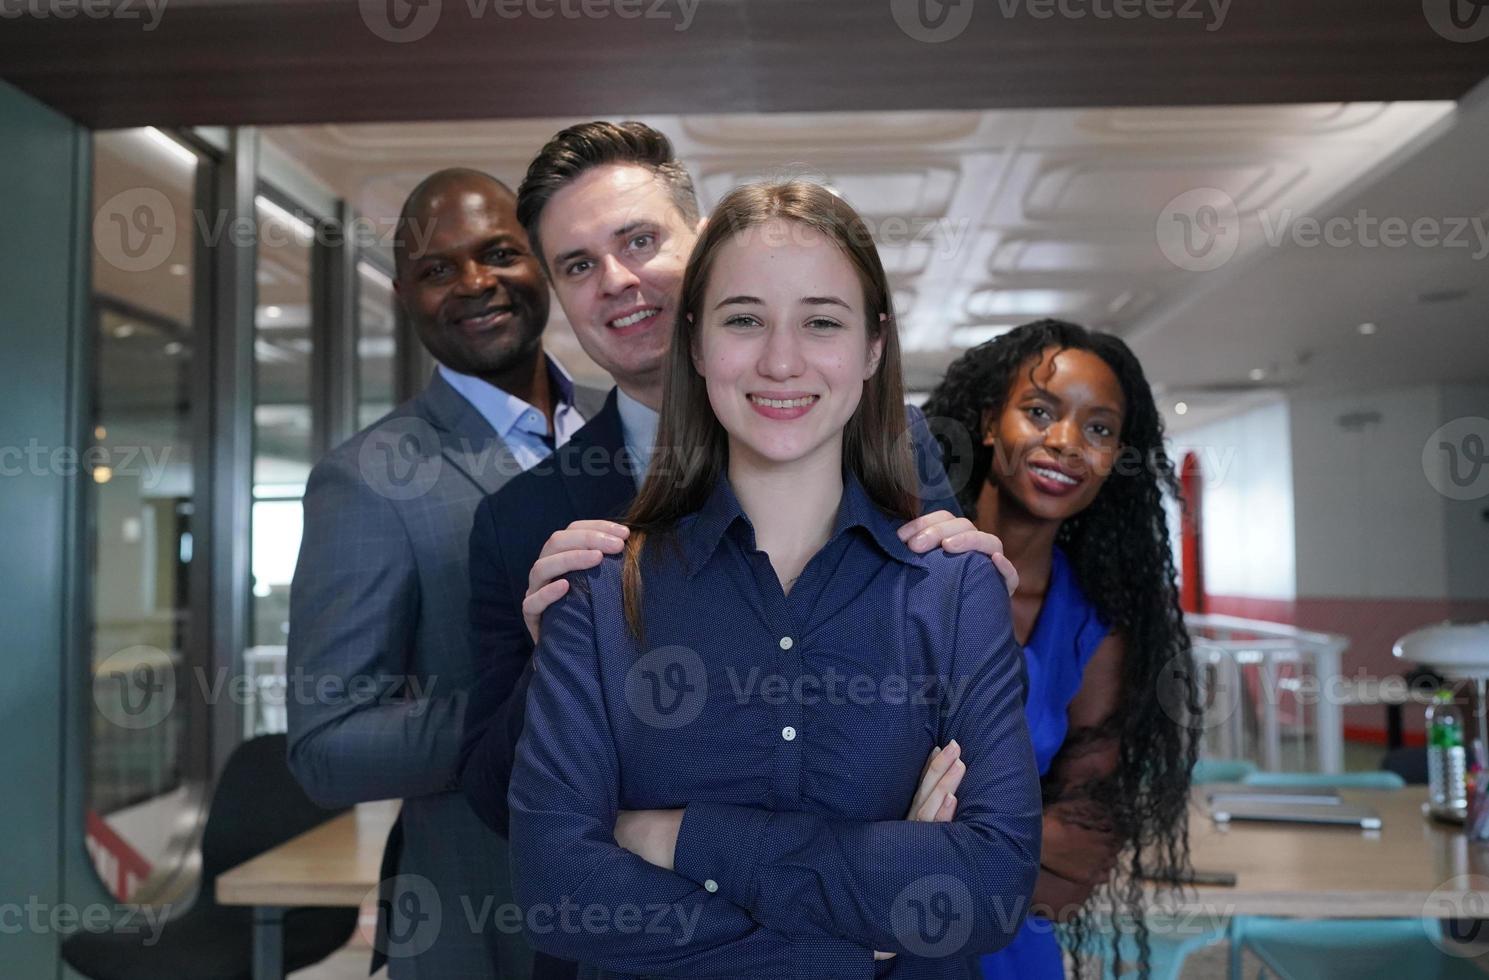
1055 475
783 402
636 317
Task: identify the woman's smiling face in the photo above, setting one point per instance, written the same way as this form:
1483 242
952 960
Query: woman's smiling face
783 344
1058 435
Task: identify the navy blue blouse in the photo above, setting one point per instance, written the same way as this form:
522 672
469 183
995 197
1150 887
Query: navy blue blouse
793 728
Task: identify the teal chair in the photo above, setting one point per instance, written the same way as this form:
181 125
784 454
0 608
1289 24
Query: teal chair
1314 949
1300 949
1221 771
1169 944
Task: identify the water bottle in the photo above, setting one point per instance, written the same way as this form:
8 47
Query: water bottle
1446 770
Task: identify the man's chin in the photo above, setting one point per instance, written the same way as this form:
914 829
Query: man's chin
496 359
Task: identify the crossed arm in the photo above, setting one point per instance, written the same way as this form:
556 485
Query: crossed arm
504 633
806 893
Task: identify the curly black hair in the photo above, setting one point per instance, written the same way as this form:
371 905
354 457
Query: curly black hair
1120 551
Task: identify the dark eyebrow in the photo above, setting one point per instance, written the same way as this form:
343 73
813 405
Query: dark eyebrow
808 300
740 301
620 232
624 230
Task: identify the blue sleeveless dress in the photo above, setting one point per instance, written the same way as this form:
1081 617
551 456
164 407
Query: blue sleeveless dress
1064 639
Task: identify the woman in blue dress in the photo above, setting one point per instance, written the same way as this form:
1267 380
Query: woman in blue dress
1068 469
722 768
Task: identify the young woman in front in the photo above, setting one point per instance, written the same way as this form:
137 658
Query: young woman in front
729 721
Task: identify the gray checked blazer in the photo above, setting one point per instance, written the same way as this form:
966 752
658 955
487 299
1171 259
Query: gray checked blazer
380 666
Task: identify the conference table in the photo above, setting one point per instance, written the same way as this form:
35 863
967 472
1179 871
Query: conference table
336 864
1410 868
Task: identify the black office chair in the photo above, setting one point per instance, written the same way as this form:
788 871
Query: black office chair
257 805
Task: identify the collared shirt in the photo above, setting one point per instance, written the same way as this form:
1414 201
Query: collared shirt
638 425
522 427
793 728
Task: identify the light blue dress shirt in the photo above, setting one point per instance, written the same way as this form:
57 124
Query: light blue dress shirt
638 425
522 427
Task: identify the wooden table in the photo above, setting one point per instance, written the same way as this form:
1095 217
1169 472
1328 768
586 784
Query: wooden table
1411 868
337 864
1406 869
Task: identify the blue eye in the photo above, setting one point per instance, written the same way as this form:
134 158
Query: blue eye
741 320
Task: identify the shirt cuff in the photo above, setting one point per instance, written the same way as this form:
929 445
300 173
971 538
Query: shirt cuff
717 846
831 959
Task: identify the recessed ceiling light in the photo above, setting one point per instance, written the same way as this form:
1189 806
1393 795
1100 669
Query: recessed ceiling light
1366 329
174 347
99 432
124 330
179 270
1258 373
272 311
1181 408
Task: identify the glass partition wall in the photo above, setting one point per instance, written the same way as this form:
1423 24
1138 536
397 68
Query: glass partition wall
142 497
171 321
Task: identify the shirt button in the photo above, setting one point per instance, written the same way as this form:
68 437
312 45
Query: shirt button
788 733
786 643
711 885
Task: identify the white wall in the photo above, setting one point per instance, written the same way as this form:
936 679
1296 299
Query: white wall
1369 524
1466 522
1247 462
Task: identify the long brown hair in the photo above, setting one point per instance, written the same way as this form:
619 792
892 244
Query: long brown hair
692 449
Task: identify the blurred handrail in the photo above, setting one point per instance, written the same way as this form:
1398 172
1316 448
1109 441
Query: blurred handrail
1268 644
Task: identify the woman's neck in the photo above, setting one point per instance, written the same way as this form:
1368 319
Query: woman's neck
791 506
1028 541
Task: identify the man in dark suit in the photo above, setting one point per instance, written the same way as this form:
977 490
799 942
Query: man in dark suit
613 216
379 650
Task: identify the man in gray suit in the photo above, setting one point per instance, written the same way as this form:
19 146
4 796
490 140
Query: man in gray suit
379 655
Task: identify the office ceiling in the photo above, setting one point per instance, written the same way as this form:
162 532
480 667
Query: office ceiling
989 219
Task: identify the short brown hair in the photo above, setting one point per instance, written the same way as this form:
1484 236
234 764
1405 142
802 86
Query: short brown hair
594 144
